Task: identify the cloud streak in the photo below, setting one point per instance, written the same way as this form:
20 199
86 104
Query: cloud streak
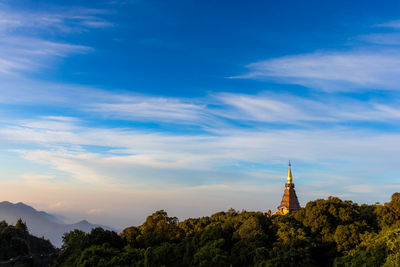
175 171
67 146
20 54
289 109
149 108
74 19
26 36
333 71
391 24
373 64
179 152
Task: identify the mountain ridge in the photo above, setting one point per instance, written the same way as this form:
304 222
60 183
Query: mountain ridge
41 223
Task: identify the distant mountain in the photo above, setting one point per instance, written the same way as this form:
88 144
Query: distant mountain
41 223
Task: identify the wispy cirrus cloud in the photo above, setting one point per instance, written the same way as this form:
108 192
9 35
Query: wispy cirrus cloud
94 211
69 20
19 54
289 109
150 108
333 71
221 161
215 110
373 64
132 156
388 39
390 24
29 40
36 177
237 137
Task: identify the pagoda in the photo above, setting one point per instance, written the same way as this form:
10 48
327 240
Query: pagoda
290 203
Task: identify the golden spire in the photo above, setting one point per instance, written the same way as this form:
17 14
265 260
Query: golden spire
289 175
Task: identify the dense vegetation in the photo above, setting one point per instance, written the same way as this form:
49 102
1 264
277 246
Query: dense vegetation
328 232
18 247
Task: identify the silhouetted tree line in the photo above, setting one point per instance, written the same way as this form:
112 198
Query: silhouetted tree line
19 248
328 232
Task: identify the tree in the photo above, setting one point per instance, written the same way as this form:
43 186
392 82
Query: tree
211 254
381 249
99 236
74 243
348 236
130 235
326 232
18 246
21 226
15 241
388 215
97 255
159 228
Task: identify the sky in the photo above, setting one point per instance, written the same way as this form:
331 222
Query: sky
112 110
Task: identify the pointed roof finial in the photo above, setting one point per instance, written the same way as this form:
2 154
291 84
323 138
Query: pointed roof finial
289 175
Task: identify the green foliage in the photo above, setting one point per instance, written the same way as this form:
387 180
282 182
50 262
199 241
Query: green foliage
130 235
21 226
166 254
327 232
17 244
81 249
348 236
322 216
389 214
381 249
211 254
97 255
293 246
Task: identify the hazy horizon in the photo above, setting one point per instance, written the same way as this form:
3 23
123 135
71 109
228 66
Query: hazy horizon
112 110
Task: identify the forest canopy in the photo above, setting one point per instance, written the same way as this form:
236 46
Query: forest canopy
18 247
326 232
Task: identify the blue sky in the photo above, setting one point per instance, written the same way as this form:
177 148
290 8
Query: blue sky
112 110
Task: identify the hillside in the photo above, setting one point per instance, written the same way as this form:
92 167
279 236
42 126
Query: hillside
40 223
19 248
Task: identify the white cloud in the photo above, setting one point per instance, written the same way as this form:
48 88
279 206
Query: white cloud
22 91
333 71
125 206
388 111
73 19
94 23
149 108
35 177
142 157
209 112
370 65
56 206
371 188
206 170
19 53
289 109
70 162
94 211
66 143
391 39
25 44
391 24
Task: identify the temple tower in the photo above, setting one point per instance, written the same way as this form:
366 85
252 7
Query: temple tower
290 203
